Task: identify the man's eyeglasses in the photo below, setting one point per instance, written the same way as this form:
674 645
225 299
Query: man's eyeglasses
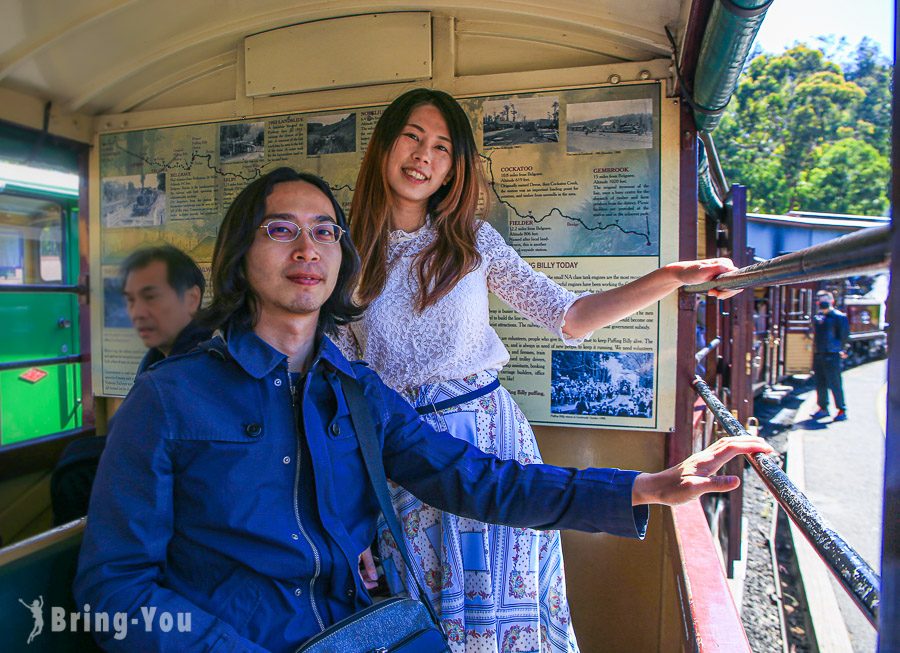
285 231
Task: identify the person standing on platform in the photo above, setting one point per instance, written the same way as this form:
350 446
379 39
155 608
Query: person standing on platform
831 330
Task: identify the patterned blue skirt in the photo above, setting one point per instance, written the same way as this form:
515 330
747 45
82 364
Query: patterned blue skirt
498 589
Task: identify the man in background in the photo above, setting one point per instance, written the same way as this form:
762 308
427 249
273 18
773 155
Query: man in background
163 289
831 330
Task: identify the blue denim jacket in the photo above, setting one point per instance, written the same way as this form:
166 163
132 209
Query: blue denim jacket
207 502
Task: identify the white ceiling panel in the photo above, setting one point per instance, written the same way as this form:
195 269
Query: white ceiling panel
114 56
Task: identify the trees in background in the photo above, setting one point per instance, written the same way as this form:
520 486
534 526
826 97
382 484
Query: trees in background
804 134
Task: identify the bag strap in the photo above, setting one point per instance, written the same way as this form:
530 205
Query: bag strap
361 415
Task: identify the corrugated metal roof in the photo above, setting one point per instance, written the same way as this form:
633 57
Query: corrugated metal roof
821 220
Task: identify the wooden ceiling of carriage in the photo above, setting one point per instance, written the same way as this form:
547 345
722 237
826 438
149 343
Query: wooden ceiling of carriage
94 58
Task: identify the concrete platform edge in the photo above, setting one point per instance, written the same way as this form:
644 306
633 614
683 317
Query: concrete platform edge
828 628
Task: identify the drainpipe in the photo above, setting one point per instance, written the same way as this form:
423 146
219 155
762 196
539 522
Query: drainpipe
707 193
729 34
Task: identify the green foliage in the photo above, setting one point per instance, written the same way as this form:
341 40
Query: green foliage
847 176
803 134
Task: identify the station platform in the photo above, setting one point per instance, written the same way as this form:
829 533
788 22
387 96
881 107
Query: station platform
840 467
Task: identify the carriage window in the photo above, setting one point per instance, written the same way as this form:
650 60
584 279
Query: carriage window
31 243
51 253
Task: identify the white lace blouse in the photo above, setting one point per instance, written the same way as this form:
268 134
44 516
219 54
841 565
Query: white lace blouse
452 338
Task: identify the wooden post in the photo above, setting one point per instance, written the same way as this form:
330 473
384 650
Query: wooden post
678 446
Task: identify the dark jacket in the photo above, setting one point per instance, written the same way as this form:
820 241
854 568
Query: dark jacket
190 336
831 331
233 499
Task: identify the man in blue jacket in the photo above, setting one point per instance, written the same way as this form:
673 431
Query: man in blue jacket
229 513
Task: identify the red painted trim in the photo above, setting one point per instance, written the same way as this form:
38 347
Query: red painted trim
708 608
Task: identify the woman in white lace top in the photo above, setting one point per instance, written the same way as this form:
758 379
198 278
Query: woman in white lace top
427 267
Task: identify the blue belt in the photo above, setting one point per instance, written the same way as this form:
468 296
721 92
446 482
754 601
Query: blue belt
459 399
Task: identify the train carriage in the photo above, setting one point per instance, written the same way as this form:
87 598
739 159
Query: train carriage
589 117
782 341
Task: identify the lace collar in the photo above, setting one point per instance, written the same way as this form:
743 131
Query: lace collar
404 243
400 236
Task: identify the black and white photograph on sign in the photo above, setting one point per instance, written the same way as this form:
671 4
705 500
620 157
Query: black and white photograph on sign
520 121
607 383
115 314
133 200
609 126
331 134
243 141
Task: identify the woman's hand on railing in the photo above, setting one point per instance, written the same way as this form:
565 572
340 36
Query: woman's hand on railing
695 476
600 309
692 272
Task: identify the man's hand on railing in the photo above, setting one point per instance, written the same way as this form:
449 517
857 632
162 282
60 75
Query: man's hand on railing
695 476
691 272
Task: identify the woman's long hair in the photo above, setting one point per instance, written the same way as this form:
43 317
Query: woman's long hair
234 302
452 208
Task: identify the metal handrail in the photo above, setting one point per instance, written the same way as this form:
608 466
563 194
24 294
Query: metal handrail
854 574
862 252
43 287
41 362
706 351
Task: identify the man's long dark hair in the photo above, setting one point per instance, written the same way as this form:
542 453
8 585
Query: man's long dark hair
234 302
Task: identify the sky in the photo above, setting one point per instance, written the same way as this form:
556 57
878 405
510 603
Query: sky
788 21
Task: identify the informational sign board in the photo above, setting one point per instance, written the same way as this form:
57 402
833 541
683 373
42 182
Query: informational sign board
578 185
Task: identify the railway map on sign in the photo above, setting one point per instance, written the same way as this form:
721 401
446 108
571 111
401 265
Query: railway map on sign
573 179
573 173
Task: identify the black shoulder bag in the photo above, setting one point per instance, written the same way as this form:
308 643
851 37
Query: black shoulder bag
397 625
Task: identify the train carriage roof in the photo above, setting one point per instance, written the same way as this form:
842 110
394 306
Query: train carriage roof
95 57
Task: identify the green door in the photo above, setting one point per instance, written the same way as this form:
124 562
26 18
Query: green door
40 384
